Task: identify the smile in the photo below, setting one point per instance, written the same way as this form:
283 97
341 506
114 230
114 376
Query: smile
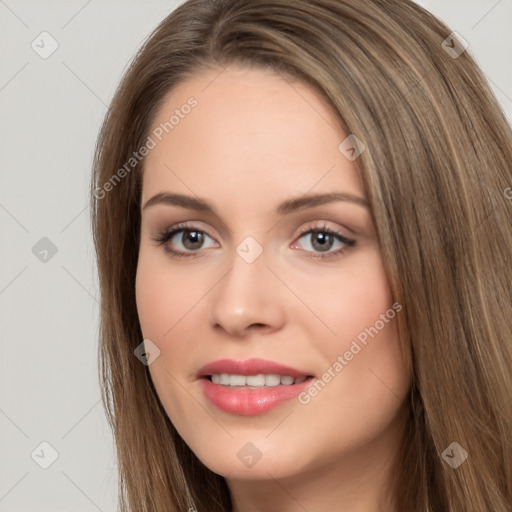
250 387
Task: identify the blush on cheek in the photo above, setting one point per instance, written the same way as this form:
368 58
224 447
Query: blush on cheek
155 302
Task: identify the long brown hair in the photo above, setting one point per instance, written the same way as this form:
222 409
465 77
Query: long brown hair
437 170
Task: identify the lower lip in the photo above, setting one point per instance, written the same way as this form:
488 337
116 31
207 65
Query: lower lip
250 402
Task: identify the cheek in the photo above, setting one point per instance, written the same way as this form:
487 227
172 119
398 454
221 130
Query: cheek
152 296
162 298
352 300
167 308
160 308
363 349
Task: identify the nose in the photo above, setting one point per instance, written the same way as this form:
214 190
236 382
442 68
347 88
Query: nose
249 298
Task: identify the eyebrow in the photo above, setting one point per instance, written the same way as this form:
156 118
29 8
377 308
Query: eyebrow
284 208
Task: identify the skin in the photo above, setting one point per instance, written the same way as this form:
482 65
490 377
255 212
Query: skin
253 141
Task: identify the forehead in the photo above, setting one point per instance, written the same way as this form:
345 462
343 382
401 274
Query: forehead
249 130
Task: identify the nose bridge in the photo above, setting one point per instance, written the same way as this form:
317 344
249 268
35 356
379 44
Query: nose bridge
247 294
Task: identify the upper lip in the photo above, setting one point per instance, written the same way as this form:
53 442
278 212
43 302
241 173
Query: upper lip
249 367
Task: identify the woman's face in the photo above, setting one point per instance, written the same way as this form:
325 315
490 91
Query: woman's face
274 272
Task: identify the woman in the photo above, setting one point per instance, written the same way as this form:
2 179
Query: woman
303 234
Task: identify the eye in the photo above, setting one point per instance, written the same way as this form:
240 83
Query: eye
320 241
183 240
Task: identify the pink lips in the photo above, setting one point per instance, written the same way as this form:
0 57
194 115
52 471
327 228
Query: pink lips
245 401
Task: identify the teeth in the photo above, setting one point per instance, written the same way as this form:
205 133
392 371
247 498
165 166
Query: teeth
236 380
272 380
255 380
258 381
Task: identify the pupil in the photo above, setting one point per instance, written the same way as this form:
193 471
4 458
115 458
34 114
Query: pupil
323 239
195 238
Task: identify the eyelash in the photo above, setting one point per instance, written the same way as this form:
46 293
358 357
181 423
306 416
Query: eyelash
164 236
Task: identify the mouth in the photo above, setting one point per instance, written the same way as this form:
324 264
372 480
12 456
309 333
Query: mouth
251 387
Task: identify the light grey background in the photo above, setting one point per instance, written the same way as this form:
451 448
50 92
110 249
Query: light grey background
50 111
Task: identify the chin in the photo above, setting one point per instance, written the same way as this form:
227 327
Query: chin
250 460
